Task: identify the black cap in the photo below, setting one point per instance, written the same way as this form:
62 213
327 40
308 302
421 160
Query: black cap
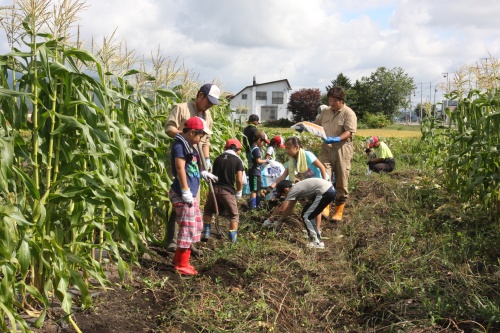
282 185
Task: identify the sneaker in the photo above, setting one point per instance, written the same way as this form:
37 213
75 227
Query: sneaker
269 223
316 245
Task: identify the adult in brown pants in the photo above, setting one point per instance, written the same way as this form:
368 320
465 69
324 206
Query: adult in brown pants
207 96
340 124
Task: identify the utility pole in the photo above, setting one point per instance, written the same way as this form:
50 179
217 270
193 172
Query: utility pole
445 102
421 101
434 105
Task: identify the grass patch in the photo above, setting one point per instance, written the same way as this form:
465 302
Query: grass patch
406 258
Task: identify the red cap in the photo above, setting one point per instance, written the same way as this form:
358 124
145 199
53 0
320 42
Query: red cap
230 142
279 140
197 123
373 139
262 136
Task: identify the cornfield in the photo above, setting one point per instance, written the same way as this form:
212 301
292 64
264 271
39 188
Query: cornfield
83 152
467 150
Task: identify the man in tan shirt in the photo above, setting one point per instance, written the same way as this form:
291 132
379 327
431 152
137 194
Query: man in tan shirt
340 124
207 96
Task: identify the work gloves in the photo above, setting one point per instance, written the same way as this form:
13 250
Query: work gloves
187 196
208 164
238 195
331 139
209 176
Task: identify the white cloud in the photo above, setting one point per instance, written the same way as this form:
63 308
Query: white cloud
309 43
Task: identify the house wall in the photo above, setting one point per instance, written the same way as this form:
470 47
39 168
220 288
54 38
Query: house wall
252 105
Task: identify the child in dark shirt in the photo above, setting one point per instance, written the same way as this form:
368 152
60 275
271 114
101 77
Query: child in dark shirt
228 168
255 171
186 171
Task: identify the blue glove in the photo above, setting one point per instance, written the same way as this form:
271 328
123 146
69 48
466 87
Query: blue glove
331 139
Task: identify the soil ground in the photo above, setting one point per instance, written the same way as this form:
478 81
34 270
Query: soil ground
151 300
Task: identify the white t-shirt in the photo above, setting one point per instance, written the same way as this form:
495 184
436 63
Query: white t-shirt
307 188
270 152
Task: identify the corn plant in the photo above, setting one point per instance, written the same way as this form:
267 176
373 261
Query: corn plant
469 148
87 170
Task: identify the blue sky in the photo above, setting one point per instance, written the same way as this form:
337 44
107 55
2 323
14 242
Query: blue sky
307 42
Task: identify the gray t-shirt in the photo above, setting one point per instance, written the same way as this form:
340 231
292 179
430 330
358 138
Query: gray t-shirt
307 188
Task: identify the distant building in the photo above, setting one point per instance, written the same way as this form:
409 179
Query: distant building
267 100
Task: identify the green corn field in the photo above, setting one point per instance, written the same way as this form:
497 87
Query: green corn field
83 157
83 163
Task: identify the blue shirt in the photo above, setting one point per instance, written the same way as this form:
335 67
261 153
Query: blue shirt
256 168
191 168
312 170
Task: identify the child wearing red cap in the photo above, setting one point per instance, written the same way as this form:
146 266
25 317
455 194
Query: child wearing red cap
276 142
228 168
384 160
186 171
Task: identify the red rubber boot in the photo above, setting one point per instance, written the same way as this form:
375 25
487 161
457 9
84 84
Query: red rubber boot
183 266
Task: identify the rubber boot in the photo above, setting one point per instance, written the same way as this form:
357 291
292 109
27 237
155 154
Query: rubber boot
252 203
183 266
339 212
172 231
232 235
257 201
205 234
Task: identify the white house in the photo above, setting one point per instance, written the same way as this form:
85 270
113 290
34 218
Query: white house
267 100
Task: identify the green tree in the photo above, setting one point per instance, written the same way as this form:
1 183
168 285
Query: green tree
341 81
384 92
424 110
304 103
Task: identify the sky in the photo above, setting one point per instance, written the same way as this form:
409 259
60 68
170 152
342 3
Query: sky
307 42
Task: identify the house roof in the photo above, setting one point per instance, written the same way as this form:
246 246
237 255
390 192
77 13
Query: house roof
263 84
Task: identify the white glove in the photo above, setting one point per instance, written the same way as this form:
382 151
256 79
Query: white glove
187 196
209 176
269 223
238 195
208 164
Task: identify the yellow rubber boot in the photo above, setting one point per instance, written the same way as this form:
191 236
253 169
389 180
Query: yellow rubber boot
339 212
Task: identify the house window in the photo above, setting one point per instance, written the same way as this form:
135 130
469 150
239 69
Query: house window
269 112
243 96
277 97
261 95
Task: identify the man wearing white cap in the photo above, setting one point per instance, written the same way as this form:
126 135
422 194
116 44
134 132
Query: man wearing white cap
207 96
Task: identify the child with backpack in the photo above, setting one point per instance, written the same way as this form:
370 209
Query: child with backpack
185 161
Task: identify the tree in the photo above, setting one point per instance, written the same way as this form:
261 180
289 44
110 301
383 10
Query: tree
304 104
341 81
384 92
424 110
